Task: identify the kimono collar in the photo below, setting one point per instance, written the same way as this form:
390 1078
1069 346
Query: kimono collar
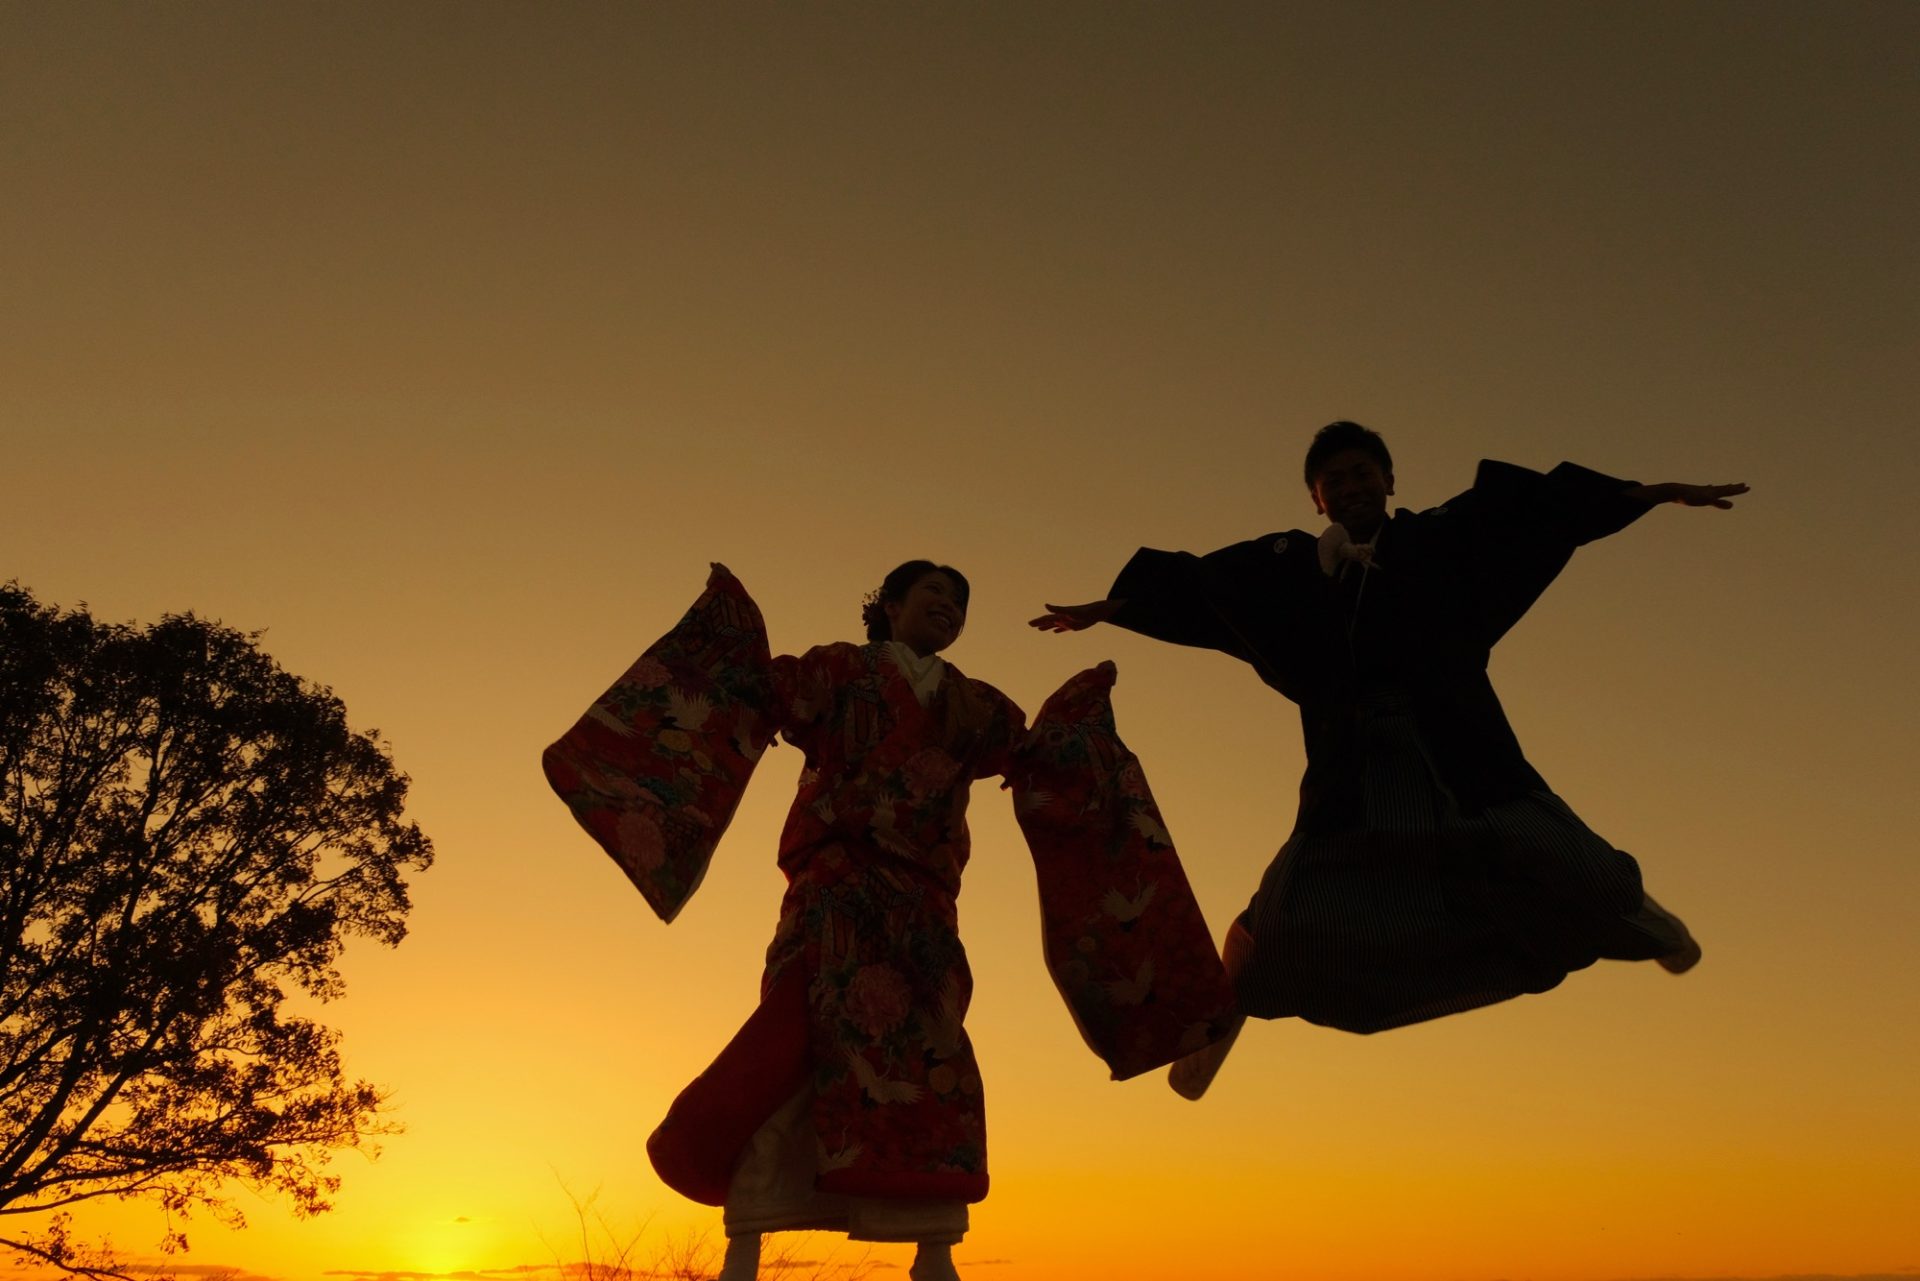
923 674
1338 550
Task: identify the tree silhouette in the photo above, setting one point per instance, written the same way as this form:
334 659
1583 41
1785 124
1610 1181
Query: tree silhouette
188 835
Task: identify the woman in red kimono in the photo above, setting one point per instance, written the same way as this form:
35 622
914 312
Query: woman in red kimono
851 1099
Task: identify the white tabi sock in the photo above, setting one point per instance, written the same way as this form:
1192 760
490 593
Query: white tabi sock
933 1263
1686 954
743 1258
1191 1076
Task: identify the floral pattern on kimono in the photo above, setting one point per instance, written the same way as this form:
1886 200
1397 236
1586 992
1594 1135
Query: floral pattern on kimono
866 986
873 850
656 766
1125 941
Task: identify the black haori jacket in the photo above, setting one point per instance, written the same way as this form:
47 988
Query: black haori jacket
1447 584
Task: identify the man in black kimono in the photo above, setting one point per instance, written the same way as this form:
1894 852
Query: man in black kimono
1430 869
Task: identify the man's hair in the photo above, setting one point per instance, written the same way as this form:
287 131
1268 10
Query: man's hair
1337 437
895 586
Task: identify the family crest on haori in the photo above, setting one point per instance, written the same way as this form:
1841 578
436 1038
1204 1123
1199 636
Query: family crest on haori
851 1099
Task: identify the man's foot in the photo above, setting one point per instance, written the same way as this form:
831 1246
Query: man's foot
1683 960
933 1263
1191 1076
1683 957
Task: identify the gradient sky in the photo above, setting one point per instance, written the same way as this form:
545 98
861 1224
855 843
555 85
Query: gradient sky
448 343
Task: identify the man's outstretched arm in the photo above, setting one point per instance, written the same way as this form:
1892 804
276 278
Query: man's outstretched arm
1179 597
1075 618
1686 495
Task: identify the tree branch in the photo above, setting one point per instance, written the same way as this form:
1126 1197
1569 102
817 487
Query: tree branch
93 1272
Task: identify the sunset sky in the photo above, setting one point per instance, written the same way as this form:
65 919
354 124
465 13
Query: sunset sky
448 343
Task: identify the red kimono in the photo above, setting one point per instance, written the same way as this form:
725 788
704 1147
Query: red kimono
866 985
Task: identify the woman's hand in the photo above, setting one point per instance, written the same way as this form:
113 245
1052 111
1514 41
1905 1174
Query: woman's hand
1687 495
1076 618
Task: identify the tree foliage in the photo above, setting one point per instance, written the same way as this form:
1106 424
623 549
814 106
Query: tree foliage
188 836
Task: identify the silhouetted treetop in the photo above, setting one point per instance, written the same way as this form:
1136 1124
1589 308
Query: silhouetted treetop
188 834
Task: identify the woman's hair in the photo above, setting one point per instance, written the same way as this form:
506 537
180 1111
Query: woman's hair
1338 437
895 586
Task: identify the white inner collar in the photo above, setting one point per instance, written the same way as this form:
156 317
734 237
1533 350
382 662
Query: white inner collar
923 674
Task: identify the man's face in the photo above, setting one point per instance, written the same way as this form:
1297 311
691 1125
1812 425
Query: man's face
1352 490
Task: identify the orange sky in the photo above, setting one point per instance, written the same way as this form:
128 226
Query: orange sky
449 342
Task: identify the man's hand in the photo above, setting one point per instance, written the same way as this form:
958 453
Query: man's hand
1687 495
1075 618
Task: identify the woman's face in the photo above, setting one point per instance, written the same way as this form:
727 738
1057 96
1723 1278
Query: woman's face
929 617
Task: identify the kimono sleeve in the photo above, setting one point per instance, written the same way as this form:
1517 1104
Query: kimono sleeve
656 766
1174 597
1124 939
1516 529
801 690
1260 601
1569 505
1005 730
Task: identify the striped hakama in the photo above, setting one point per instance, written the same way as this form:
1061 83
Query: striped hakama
1422 911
